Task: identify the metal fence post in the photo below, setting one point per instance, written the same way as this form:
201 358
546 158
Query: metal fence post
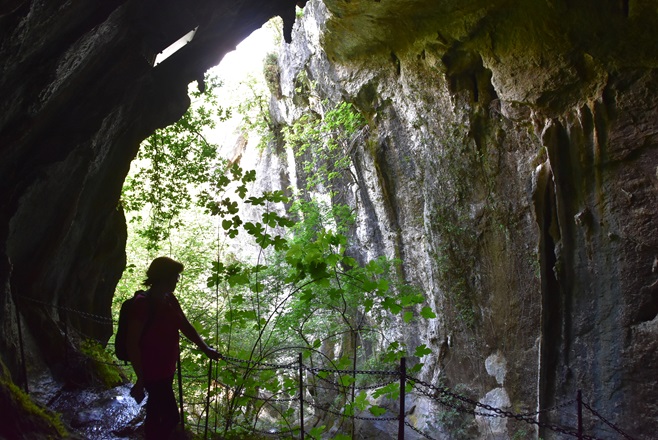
180 394
403 383
301 396
205 429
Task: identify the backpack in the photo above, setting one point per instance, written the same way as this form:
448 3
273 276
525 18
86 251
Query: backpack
125 315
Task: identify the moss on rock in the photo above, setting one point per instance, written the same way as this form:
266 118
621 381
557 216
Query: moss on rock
22 417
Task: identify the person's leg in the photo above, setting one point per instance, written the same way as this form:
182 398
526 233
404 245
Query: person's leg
161 410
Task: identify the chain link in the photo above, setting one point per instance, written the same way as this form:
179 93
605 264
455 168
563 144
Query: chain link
612 426
418 431
328 370
357 388
502 412
374 387
269 399
98 318
336 413
251 365
260 431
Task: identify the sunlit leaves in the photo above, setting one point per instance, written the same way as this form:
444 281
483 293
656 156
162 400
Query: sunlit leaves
316 432
427 313
307 289
391 391
422 350
394 352
377 410
324 143
171 162
346 380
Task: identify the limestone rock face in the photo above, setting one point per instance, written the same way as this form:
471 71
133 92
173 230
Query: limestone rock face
512 164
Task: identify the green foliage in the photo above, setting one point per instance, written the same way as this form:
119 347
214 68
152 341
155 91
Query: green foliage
522 434
102 363
272 74
170 164
254 106
301 292
22 415
455 417
325 143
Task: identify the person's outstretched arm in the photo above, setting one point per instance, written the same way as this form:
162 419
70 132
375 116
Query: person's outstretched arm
190 333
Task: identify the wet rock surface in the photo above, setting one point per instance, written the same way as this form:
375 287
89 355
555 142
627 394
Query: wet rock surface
101 414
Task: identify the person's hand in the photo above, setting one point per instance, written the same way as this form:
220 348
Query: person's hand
212 353
137 391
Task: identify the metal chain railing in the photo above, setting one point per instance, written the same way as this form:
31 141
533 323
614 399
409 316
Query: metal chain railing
430 391
504 413
328 370
268 433
356 387
418 431
340 414
251 365
93 317
613 427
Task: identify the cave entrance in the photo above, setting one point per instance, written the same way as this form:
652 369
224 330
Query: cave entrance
180 165
176 165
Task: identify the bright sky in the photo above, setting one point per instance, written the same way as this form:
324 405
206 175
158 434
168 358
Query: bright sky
247 58
235 69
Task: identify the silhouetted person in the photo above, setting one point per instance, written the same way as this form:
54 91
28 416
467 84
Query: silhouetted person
153 346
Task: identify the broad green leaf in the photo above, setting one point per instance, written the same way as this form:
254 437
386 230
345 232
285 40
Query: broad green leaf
361 400
392 391
376 410
346 380
316 432
238 279
307 295
422 350
391 305
409 300
427 313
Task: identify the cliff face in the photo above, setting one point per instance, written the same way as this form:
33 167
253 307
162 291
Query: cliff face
512 164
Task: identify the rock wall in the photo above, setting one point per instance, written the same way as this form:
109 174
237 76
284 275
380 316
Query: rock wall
512 164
